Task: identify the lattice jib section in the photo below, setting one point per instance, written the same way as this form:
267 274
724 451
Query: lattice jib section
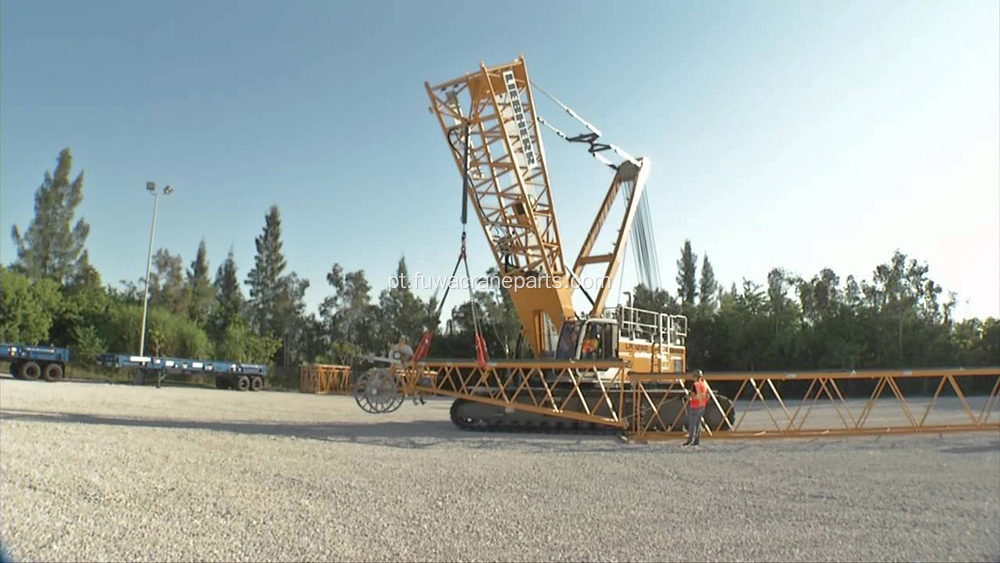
509 184
324 379
828 403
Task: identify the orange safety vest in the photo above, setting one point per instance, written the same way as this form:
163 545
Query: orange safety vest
700 399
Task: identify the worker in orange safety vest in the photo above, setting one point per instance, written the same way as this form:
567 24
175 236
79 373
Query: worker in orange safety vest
698 400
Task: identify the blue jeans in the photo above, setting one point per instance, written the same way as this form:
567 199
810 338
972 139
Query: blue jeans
694 424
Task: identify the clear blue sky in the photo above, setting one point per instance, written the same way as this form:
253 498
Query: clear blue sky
795 134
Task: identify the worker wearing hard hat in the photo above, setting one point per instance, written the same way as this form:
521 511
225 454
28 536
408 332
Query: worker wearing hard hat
697 401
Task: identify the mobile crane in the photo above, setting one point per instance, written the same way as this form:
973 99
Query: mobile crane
490 123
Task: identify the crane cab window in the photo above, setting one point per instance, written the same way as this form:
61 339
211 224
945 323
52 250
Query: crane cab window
568 337
599 342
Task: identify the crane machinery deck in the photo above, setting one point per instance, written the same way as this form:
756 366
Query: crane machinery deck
582 374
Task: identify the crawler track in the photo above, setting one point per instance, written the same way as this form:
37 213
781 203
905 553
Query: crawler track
475 416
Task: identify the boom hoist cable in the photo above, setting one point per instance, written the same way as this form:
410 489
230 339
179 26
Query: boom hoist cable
644 247
425 341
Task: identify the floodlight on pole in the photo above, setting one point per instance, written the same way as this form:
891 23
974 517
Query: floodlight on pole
151 186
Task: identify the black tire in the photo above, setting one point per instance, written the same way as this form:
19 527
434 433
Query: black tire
15 370
221 383
52 372
30 371
242 383
257 383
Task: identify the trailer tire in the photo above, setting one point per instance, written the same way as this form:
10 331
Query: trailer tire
242 383
52 372
221 383
30 371
257 383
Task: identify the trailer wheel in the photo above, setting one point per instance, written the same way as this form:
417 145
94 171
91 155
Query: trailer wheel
52 372
221 383
257 383
242 383
30 371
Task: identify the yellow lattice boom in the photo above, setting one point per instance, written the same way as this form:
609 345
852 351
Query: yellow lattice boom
324 379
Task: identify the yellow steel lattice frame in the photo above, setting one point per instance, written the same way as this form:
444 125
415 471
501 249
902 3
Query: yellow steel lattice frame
778 420
323 379
606 393
509 187
513 200
552 388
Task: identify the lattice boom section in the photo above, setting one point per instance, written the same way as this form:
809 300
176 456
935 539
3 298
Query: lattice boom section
324 379
583 392
741 405
509 179
842 403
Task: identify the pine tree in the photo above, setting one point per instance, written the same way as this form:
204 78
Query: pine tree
265 278
200 290
166 283
228 298
687 275
51 248
227 286
707 286
403 313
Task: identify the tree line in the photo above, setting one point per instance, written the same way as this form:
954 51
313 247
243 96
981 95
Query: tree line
52 294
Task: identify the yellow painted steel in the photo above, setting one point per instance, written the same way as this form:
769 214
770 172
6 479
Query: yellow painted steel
324 379
609 394
488 117
509 188
774 419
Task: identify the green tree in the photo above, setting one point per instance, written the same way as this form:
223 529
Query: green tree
85 304
52 247
707 287
229 297
201 292
658 300
501 317
166 283
345 311
167 334
264 279
27 308
240 344
687 276
290 324
404 314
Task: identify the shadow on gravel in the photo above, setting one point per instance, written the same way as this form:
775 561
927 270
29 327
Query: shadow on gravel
424 434
980 449
407 435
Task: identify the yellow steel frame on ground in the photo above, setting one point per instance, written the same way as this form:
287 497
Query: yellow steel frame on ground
784 418
535 383
324 379
530 386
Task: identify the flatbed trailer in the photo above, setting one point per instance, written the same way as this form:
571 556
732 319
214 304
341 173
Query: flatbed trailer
227 374
35 362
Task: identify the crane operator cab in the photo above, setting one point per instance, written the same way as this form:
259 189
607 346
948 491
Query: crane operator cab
588 339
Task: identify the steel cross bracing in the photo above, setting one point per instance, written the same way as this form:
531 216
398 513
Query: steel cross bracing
509 179
651 406
508 184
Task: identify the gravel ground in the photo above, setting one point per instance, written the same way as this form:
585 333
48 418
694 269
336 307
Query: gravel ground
102 472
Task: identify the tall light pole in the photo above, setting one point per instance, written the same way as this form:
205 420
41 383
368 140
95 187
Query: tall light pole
151 186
